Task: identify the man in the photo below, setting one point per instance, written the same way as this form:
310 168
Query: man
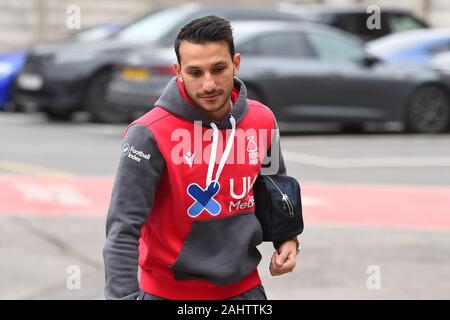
192 232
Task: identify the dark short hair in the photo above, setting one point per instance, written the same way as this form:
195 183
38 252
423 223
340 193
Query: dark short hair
204 30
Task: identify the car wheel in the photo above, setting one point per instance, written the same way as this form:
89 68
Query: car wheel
12 107
428 111
96 103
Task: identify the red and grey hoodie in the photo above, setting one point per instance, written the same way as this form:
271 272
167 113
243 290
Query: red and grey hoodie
182 205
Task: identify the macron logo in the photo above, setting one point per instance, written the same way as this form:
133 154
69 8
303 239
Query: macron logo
132 153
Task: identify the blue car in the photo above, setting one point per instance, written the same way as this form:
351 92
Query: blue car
11 63
415 46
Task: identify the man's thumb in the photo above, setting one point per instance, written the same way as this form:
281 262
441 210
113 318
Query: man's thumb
281 258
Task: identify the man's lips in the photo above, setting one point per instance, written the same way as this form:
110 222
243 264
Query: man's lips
211 96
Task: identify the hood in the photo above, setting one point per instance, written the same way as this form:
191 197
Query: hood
63 46
175 100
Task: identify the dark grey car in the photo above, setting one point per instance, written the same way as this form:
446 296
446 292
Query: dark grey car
61 78
305 72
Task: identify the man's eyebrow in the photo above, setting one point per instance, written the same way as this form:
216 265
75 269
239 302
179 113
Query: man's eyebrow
192 67
222 62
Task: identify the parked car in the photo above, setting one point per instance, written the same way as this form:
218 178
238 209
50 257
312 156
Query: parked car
354 18
304 72
414 46
11 63
63 78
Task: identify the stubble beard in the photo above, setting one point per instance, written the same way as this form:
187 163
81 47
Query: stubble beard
201 108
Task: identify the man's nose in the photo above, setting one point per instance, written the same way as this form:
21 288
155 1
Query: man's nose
209 84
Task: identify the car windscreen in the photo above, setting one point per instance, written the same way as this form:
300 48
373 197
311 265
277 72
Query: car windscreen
273 43
402 22
155 26
357 23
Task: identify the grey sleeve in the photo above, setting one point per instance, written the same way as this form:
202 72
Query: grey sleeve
140 169
273 162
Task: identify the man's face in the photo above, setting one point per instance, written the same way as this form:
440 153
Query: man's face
207 71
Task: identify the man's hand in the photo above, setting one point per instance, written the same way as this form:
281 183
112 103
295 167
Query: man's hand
284 259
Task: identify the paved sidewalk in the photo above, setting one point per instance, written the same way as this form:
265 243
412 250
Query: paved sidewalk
37 251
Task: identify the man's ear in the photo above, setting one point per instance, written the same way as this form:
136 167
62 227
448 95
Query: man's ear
177 69
236 63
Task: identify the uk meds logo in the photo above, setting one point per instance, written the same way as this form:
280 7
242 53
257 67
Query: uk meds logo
204 199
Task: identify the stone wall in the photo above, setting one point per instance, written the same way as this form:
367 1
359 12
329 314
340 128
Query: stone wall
25 22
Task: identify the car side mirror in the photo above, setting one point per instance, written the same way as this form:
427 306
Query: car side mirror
369 60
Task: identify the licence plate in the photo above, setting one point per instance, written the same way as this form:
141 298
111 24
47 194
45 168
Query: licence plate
135 74
29 81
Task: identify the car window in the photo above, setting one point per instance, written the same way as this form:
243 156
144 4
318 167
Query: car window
356 23
250 47
232 15
292 45
402 22
153 27
335 47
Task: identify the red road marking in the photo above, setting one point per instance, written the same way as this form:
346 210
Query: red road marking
385 205
344 204
54 196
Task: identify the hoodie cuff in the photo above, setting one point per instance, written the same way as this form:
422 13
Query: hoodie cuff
277 244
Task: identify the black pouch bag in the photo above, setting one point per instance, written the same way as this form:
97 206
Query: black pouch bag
278 206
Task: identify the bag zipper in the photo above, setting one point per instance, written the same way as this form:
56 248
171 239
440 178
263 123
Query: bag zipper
284 198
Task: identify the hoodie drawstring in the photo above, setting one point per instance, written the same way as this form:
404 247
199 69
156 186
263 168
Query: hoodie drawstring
226 153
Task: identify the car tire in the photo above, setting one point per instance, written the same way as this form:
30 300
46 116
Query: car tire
12 107
428 111
95 100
